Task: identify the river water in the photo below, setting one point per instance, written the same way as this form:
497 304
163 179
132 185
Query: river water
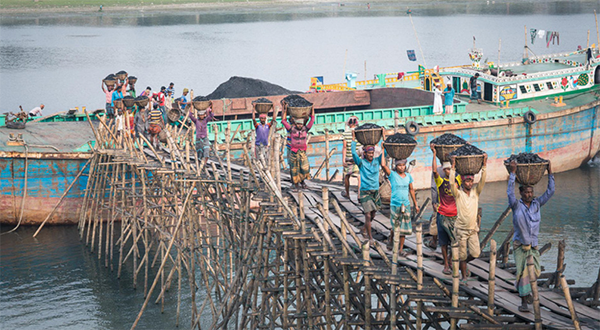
53 281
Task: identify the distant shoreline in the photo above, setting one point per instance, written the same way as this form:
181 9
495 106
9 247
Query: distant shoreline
189 6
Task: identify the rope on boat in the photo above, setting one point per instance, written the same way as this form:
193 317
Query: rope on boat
24 190
416 36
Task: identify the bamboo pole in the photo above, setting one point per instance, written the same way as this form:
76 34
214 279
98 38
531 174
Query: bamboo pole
367 282
455 282
560 260
495 227
534 293
419 235
567 293
492 278
327 148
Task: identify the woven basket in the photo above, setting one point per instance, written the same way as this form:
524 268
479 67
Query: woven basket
121 76
299 112
368 137
469 165
141 103
399 150
385 192
109 83
162 136
174 115
443 151
118 103
129 102
263 107
201 105
132 80
529 174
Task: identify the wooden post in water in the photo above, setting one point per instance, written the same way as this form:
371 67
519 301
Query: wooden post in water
567 293
325 196
560 261
367 281
492 278
534 293
455 282
419 324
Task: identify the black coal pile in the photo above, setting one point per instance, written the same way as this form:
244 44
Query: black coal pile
400 138
526 158
448 139
200 98
246 87
111 77
262 100
367 126
128 97
296 101
467 150
141 98
121 72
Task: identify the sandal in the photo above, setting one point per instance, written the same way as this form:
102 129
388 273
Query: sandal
345 195
524 309
463 281
447 271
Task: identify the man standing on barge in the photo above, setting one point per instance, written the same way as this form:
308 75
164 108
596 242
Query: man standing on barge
526 221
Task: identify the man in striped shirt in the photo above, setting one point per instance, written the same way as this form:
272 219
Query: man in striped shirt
156 125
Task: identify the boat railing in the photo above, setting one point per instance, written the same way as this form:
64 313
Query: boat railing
517 78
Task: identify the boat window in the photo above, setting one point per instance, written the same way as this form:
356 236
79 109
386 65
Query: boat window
523 89
549 84
536 87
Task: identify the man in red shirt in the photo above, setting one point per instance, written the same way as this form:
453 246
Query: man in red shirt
445 207
160 99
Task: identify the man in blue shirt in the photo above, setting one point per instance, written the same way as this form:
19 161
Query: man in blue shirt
526 221
368 197
449 98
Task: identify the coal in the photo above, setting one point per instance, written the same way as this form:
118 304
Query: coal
448 139
262 100
127 97
200 98
121 72
111 77
400 138
141 98
367 126
467 150
296 101
526 158
246 87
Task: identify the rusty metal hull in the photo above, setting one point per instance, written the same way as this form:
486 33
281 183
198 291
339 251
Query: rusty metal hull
47 179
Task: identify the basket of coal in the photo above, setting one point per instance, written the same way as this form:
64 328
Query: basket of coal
131 80
262 105
121 75
368 134
110 80
445 144
530 167
399 146
118 103
200 103
469 159
129 101
174 115
141 101
297 106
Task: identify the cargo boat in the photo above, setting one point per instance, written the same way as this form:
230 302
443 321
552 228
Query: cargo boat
563 130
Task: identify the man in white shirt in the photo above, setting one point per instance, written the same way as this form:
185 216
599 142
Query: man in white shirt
37 111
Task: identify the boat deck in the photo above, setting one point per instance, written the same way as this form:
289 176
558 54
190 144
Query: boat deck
59 137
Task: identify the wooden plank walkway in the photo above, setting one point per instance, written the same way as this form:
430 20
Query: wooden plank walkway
555 313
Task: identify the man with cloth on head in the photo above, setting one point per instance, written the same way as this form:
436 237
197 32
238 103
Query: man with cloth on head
202 141
401 183
262 134
466 228
368 196
526 221
445 206
298 143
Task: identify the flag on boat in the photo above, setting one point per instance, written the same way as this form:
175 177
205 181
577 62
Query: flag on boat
411 55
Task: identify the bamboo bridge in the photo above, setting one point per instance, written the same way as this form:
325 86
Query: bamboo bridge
268 257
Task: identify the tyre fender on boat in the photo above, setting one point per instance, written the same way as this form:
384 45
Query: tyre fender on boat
529 117
411 127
